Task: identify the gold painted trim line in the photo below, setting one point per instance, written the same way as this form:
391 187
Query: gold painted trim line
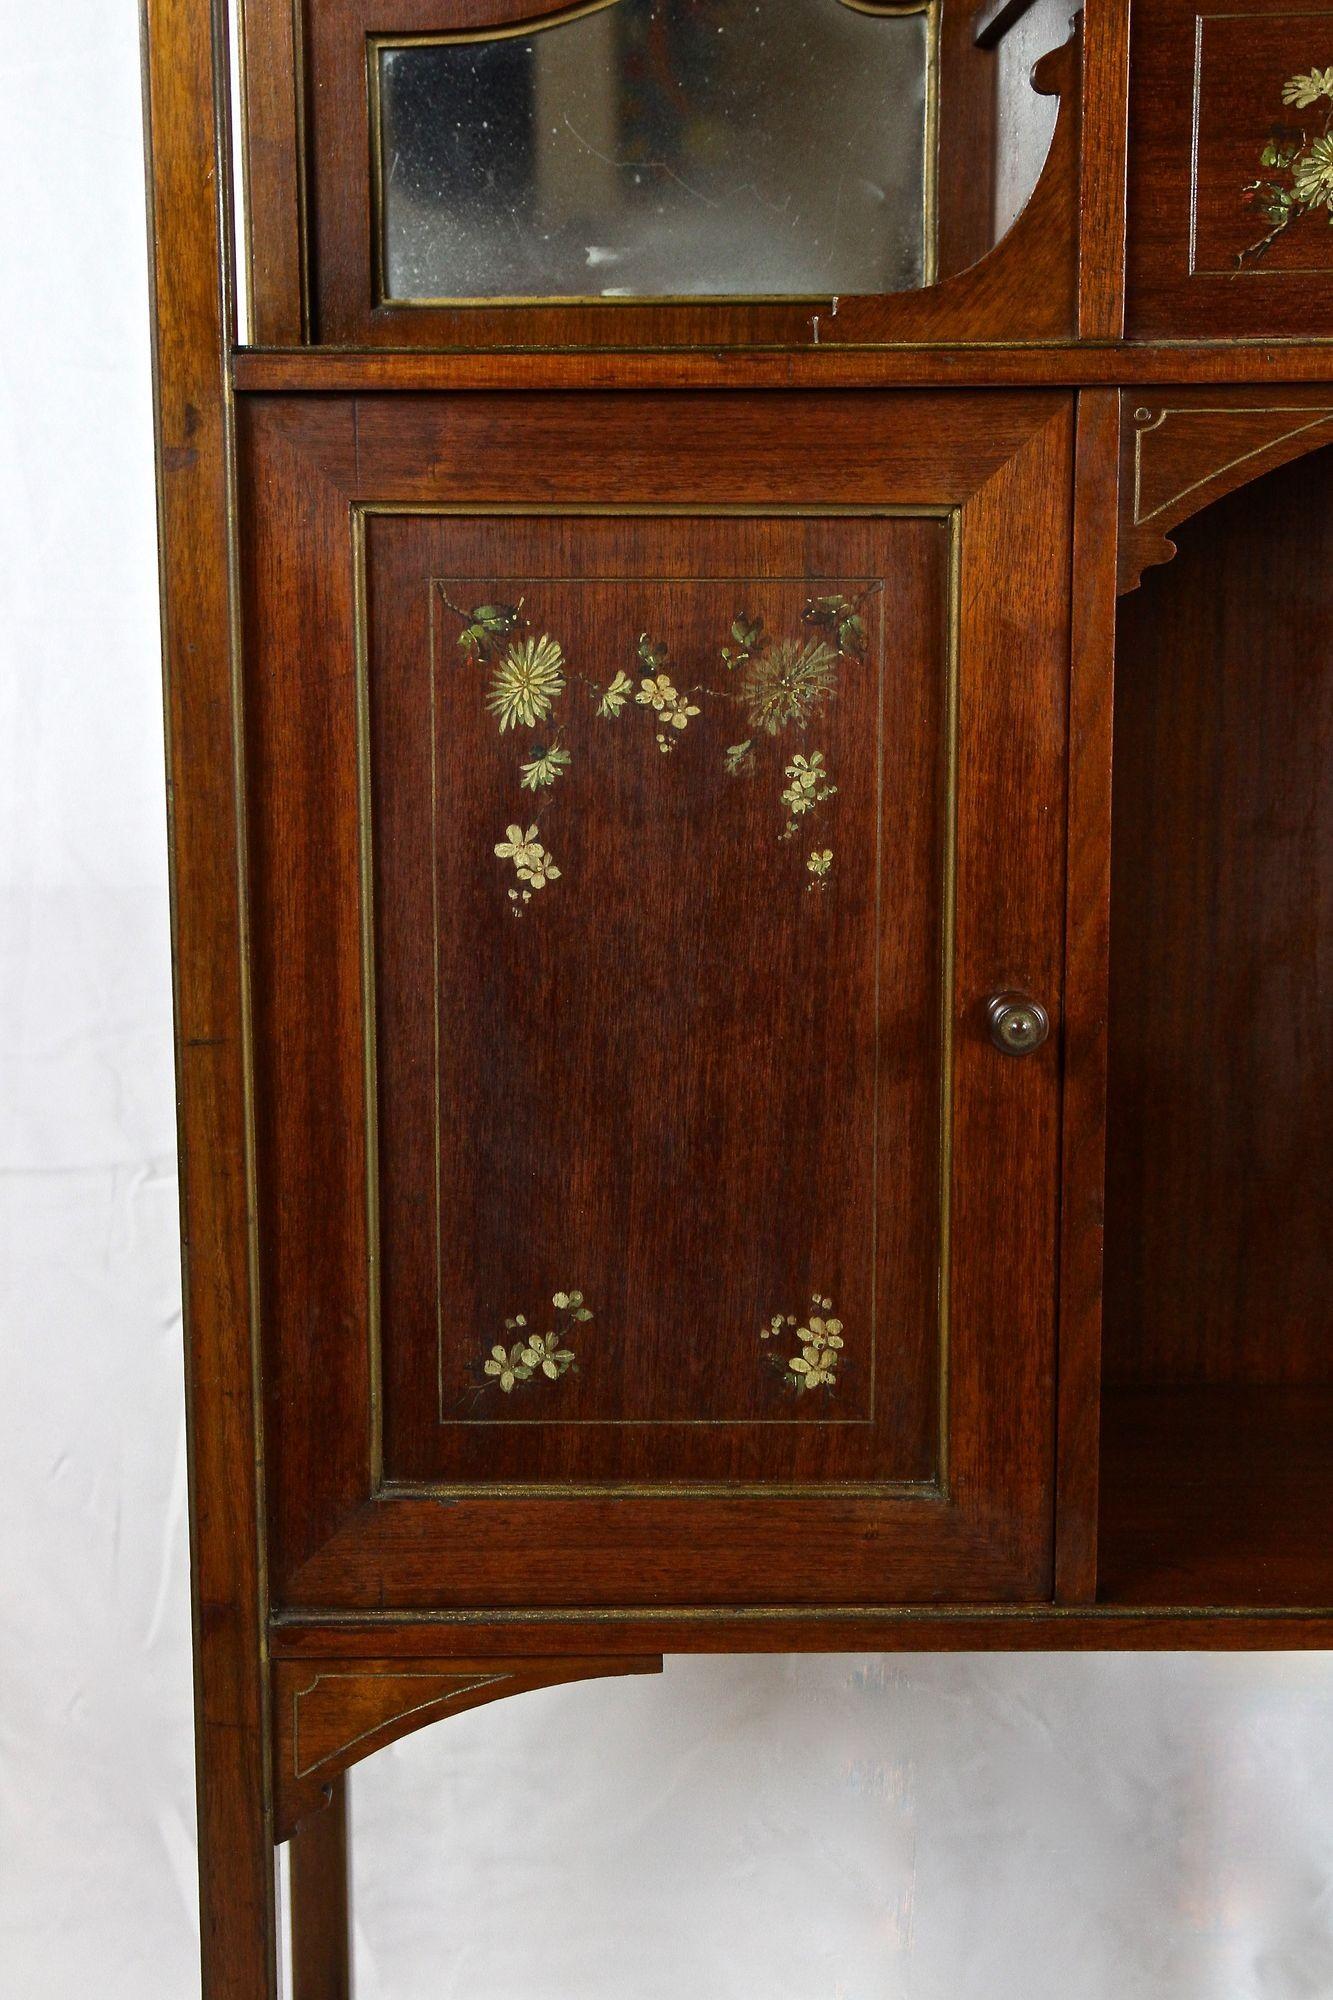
1318 417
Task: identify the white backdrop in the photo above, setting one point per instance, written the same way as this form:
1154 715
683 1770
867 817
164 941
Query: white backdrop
828 1829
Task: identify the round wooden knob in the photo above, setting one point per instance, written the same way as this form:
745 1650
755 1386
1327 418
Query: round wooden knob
1017 1025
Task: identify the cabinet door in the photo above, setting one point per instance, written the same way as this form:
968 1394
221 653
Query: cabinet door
646 795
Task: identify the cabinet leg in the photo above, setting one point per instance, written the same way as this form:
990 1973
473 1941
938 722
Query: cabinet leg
321 1903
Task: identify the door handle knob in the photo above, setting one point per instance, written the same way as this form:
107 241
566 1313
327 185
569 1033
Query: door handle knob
1017 1025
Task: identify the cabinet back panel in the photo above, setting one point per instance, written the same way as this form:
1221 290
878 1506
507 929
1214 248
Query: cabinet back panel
1219 1241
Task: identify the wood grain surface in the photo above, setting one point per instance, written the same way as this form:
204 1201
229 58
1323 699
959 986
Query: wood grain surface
1004 464
1221 1144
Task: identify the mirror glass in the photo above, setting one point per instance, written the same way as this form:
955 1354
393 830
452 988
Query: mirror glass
659 149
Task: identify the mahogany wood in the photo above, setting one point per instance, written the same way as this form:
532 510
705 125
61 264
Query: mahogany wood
1218 1495
1103 1627
1049 364
1193 1496
330 1715
690 1078
1104 165
273 165
320 1890
1221 1144
1025 287
969 121
184 121
1207 95
339 1536
1087 950
1181 453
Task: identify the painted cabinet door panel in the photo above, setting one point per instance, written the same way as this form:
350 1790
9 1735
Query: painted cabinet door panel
645 798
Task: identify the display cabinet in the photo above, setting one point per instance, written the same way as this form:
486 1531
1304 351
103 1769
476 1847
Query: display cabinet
751 806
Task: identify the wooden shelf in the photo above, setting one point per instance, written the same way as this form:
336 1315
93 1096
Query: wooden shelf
1216 1496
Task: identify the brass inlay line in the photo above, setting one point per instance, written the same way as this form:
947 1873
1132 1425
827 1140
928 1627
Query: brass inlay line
370 1064
377 44
917 1490
948 925
1032 1613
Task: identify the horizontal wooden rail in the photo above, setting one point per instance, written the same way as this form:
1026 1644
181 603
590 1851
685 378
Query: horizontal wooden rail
1070 364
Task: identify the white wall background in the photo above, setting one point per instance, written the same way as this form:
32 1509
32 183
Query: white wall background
825 1829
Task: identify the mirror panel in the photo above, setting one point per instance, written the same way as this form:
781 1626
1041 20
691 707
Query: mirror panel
659 149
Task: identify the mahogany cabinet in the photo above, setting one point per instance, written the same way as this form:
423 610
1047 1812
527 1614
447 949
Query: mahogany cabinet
751 804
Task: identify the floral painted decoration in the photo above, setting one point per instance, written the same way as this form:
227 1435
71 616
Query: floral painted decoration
657 693
820 1343
535 1357
532 863
787 682
779 682
527 680
544 767
1299 168
808 786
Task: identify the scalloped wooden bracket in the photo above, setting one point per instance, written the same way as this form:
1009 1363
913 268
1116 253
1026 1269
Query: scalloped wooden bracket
1178 456
329 1716
1026 287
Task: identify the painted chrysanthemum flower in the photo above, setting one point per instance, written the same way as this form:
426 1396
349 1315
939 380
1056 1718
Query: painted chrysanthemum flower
525 683
819 862
786 683
1312 175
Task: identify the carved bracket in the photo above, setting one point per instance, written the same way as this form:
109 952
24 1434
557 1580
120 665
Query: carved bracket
1179 456
328 1715
1026 286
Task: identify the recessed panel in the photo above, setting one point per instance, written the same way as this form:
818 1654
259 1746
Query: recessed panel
1231 169
658 817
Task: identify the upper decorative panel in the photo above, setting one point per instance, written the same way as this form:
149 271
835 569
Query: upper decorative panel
644 173
1231 195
